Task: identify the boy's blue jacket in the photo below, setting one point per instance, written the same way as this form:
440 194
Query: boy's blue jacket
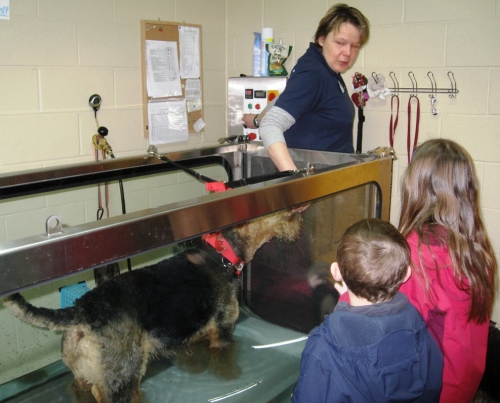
376 353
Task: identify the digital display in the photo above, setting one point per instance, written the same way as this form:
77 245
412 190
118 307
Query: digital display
260 94
248 93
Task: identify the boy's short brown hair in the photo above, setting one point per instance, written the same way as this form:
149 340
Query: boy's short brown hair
373 258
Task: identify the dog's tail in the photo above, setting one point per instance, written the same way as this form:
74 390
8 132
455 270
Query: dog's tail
53 319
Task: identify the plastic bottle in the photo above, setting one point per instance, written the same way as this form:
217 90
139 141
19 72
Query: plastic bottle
266 37
256 55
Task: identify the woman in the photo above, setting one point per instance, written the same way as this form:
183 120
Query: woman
454 268
315 111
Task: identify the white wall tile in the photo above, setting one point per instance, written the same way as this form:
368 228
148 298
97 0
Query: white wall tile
248 14
214 51
34 42
57 9
489 186
43 136
478 134
128 88
471 43
406 46
214 87
69 89
492 224
494 92
380 12
447 10
281 15
19 90
114 45
26 8
131 11
210 14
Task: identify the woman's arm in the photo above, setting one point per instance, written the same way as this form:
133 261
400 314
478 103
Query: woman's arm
273 125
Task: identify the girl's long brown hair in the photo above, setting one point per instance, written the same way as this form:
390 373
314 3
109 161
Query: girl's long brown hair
440 187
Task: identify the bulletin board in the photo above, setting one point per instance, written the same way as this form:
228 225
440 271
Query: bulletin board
167 96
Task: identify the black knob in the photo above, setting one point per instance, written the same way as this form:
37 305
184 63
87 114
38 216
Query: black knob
103 131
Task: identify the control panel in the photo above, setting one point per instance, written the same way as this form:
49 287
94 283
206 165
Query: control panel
249 95
255 101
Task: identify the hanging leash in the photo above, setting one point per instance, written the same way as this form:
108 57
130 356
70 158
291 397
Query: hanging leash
393 123
359 97
417 118
100 209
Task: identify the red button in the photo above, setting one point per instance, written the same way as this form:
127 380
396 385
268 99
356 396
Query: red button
257 106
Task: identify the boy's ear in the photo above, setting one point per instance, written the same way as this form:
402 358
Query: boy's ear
336 272
408 275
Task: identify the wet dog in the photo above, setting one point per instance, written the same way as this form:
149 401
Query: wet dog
112 331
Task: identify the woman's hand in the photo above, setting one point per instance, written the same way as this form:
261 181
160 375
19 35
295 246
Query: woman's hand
248 120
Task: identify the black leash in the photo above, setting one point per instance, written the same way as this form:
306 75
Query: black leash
219 186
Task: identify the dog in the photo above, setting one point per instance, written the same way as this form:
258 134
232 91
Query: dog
112 331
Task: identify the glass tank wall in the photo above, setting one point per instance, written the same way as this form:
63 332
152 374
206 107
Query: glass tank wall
285 291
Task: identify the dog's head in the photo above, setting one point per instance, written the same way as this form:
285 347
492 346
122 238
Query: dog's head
250 236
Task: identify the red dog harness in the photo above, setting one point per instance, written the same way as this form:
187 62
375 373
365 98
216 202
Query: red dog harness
221 245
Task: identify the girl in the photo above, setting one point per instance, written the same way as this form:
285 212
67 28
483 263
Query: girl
454 268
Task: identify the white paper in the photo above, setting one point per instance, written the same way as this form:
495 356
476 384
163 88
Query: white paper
163 79
189 45
199 124
192 91
4 10
193 106
167 122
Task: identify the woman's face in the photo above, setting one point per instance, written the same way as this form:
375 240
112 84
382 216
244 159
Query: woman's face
341 48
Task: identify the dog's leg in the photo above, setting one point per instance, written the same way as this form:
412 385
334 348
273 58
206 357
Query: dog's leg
221 332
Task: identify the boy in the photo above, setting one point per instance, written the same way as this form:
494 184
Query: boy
375 348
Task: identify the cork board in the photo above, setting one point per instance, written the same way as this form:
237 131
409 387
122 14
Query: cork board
169 32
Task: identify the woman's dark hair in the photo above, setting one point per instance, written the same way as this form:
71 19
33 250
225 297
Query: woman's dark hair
339 14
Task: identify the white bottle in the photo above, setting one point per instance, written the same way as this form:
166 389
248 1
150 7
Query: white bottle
266 37
256 55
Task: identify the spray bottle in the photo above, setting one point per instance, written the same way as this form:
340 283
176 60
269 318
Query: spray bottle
256 55
266 38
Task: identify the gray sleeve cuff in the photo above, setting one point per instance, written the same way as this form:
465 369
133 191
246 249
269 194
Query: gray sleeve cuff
274 123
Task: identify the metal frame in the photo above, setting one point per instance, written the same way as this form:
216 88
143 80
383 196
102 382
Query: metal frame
35 260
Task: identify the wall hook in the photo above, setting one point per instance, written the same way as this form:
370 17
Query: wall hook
433 95
395 81
414 85
454 90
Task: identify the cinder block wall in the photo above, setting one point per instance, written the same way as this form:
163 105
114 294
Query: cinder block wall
406 35
56 53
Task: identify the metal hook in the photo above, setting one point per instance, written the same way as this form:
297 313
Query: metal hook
395 83
414 85
374 75
433 95
454 90
430 74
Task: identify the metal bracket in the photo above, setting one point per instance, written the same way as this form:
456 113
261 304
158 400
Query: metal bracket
52 229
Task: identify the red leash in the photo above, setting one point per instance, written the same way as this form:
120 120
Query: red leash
415 138
393 125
